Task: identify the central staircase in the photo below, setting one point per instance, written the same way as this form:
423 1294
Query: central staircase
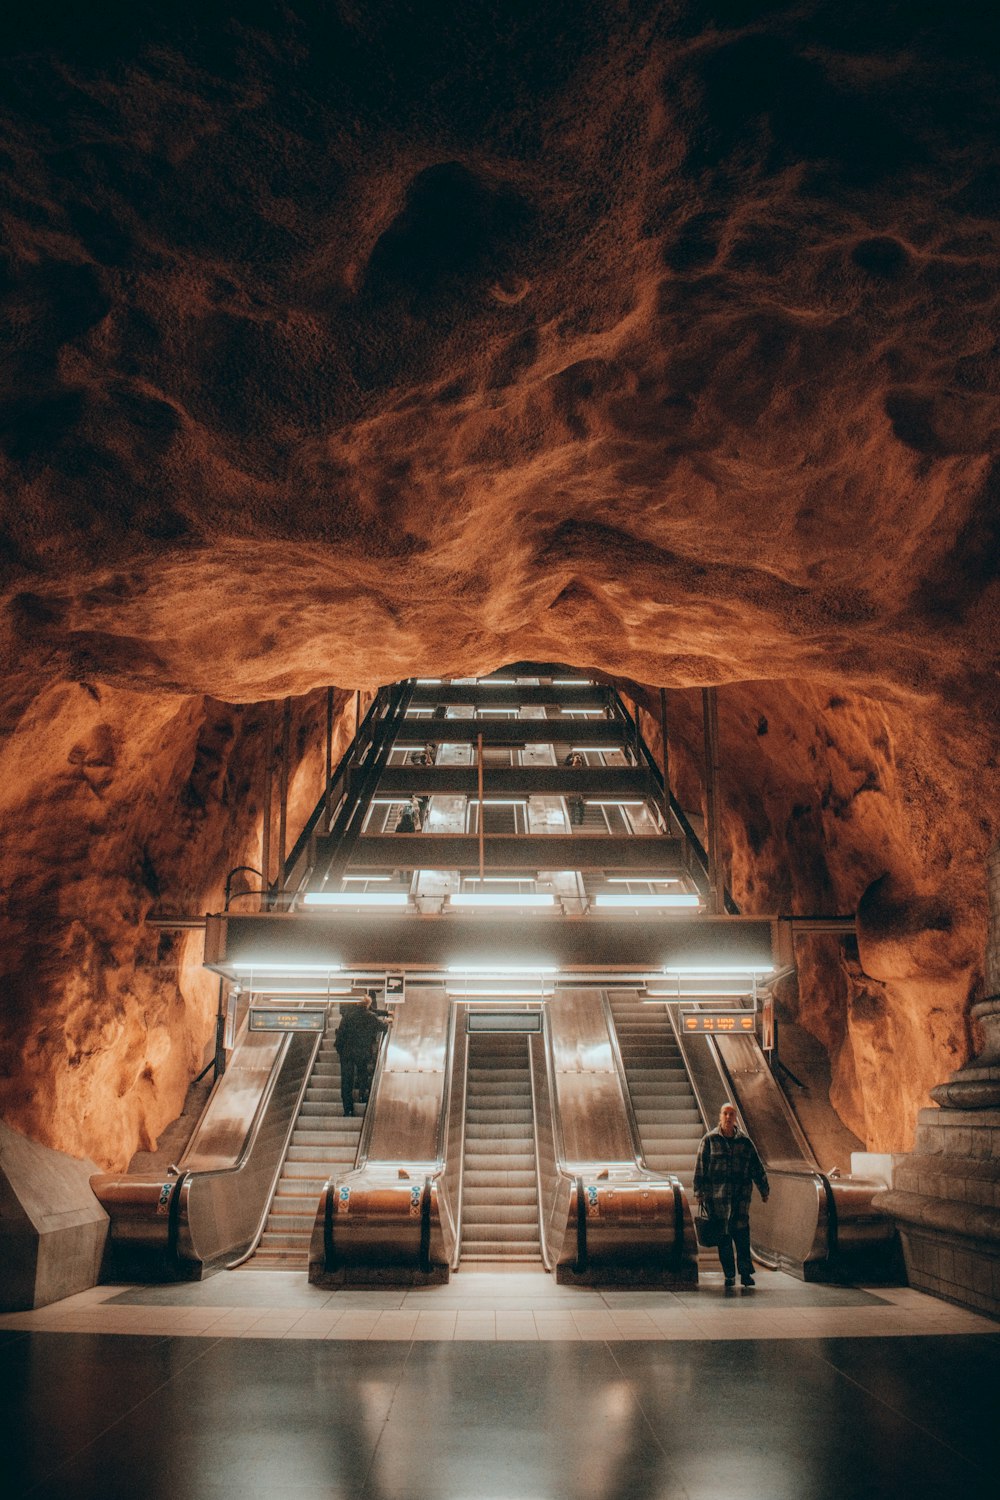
499 1179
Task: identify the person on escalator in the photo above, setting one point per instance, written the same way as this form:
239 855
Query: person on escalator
360 1028
728 1166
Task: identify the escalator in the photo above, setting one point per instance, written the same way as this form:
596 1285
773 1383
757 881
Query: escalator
663 1102
499 1183
324 1144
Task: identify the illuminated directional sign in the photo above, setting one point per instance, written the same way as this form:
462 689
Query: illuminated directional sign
719 1021
287 1020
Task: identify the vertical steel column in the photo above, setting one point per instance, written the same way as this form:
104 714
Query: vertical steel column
666 761
482 831
265 852
329 759
286 753
710 713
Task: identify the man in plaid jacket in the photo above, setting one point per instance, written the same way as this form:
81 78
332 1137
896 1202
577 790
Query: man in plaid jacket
727 1168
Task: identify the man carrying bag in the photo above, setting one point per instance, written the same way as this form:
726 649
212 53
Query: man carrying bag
728 1166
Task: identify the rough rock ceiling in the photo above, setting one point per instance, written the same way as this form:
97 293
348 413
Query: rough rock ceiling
659 336
351 341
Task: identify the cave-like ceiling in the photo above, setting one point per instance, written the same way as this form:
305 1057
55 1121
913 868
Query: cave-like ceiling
396 336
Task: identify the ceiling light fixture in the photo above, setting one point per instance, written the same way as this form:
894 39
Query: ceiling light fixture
667 899
355 898
485 898
695 970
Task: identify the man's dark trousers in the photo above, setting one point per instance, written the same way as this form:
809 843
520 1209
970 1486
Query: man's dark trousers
741 1239
350 1066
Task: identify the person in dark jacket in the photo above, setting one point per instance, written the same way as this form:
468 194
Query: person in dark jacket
724 1177
354 1040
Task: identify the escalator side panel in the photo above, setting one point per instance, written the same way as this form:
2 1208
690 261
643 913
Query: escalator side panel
407 1121
593 1121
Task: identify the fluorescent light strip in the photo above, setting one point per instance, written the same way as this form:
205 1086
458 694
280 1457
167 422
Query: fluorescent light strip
268 966
633 879
713 994
356 898
572 682
482 898
594 749
306 990
693 970
428 681
366 877
667 899
502 968
503 992
612 802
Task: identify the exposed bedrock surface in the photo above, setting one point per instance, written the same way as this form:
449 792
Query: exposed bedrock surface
348 342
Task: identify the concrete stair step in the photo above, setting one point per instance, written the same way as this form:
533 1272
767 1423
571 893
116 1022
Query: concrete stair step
508 1196
295 1203
499 1178
290 1223
498 1217
501 1250
272 1240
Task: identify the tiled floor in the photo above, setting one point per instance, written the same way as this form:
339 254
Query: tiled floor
497 1387
498 1305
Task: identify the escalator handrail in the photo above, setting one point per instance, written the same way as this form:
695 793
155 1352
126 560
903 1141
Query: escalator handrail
697 848
444 1129
188 1179
619 1062
806 1172
368 1123
381 705
253 1128
289 1131
808 1155
542 1238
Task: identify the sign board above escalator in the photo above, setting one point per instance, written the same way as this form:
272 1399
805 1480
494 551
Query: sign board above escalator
718 1022
271 1019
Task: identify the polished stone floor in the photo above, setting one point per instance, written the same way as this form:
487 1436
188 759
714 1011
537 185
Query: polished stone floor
497 1387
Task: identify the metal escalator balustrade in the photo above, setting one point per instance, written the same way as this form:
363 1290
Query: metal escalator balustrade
324 1144
499 1185
663 1102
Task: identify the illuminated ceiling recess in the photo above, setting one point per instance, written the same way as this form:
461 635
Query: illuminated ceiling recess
443 875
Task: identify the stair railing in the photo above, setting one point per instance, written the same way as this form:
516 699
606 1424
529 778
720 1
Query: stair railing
301 858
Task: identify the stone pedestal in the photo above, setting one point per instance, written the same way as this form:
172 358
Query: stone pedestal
945 1199
52 1228
945 1196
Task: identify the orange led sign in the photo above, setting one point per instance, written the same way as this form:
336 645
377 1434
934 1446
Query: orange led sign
723 1021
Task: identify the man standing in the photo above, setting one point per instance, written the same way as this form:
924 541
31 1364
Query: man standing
727 1168
359 1027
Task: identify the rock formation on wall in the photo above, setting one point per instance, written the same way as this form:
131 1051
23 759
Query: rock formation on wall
348 342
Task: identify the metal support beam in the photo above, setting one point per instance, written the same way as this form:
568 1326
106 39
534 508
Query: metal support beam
265 856
710 714
286 755
508 851
600 732
627 782
666 760
329 756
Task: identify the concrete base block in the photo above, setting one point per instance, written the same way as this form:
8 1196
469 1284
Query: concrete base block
52 1228
945 1198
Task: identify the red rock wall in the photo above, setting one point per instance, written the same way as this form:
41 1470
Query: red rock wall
834 804
113 804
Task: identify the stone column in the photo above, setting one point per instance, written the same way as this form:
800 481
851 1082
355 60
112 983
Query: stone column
977 1085
945 1193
